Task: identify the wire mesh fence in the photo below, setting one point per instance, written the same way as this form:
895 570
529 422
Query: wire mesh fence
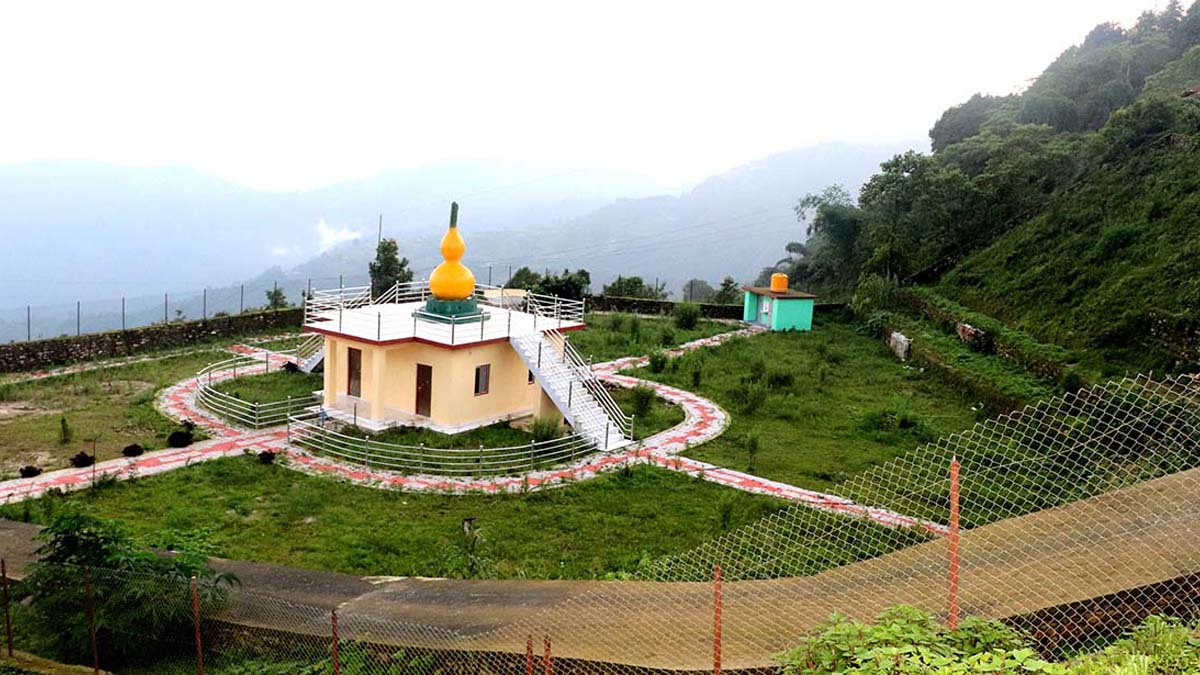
1072 520
42 321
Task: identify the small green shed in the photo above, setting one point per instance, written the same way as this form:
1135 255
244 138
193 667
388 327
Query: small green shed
778 307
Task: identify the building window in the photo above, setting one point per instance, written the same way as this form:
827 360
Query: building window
483 374
530 380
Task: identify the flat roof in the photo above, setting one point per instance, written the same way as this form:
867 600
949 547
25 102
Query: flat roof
780 295
395 323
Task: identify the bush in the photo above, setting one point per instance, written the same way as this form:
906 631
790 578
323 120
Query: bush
291 367
748 397
64 431
658 362
81 460
697 376
667 338
873 293
687 315
751 445
1071 382
616 322
780 380
266 457
180 439
29 471
643 398
7 392
758 370
545 428
132 450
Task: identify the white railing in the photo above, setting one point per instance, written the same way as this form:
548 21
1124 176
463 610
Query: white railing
599 392
307 431
246 413
323 304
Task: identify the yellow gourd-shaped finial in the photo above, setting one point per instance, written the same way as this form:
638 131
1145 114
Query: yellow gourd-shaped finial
452 280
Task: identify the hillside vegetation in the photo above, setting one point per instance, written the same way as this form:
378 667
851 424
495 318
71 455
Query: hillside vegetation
1069 211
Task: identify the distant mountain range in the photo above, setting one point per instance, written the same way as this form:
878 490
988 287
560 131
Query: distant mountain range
77 231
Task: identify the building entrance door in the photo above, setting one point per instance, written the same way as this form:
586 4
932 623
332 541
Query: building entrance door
354 372
424 389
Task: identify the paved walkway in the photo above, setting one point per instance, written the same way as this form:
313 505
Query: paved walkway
704 420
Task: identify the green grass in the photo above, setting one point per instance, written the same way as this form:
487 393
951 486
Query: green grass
660 417
612 336
271 387
273 514
498 435
113 406
832 403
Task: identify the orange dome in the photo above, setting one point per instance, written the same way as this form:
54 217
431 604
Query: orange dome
452 280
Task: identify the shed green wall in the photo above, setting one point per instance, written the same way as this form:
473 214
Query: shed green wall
750 307
792 314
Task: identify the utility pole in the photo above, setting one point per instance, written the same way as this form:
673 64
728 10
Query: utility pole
379 239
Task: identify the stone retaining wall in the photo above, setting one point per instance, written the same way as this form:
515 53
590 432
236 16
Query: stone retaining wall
23 356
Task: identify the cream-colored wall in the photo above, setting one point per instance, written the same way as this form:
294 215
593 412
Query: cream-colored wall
453 401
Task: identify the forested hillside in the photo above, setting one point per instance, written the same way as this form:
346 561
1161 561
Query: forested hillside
1070 210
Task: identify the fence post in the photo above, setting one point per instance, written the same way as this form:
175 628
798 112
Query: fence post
7 609
547 664
378 326
570 393
453 325
529 655
337 669
952 618
256 414
607 426
196 621
28 323
165 304
716 620
242 299
539 347
91 619
78 322
122 313
531 455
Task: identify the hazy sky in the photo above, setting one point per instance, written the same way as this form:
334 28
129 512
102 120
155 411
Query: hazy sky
287 95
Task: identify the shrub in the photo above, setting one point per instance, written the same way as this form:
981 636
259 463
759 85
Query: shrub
544 428
64 431
667 338
635 328
687 315
180 439
643 398
873 293
658 362
780 380
1071 382
7 392
748 397
266 457
616 322
29 471
81 460
758 369
291 367
132 450
751 445
891 420
697 376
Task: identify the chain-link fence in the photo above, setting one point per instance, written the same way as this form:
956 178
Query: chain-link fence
1072 520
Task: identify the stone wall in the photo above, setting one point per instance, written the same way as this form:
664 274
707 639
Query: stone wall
22 356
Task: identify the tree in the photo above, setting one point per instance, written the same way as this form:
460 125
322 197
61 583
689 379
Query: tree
569 285
964 120
834 251
388 268
728 293
635 287
276 298
697 290
525 278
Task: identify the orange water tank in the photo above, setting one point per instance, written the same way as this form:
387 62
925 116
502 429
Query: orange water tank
779 282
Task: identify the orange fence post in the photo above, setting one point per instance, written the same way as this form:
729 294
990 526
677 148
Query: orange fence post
196 622
7 609
529 655
952 618
336 665
716 620
91 619
547 664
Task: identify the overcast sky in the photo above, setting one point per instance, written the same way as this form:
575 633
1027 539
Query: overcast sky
285 96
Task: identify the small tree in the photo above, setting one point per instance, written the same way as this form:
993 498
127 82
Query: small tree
697 290
388 268
570 285
276 298
635 287
525 278
728 293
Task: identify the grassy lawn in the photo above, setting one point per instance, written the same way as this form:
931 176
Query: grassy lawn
658 417
611 336
113 406
822 405
273 514
271 387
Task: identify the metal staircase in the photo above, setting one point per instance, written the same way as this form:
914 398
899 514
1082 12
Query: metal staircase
310 353
568 380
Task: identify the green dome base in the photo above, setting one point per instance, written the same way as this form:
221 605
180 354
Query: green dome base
451 311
